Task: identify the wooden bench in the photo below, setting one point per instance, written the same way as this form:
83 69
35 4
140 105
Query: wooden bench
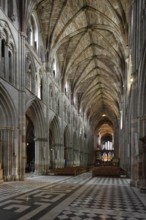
80 170
109 171
65 171
73 171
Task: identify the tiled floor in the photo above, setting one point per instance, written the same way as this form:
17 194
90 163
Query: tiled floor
71 198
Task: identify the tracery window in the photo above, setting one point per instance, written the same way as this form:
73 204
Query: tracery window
8 7
10 64
7 67
32 33
3 57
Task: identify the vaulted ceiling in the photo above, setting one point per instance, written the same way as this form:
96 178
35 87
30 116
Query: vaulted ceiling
89 38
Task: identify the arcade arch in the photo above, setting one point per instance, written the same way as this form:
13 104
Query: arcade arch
8 149
36 136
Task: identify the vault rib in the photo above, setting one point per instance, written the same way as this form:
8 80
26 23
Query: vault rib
84 8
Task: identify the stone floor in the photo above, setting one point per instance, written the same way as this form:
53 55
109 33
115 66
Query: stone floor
71 198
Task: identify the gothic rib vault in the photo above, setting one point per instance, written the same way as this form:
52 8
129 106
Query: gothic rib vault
90 40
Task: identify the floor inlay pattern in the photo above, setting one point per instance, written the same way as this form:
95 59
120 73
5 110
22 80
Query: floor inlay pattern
9 189
70 198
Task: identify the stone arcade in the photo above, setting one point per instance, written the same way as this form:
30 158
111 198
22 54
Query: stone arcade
72 84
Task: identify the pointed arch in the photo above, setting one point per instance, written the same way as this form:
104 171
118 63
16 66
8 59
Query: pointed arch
35 113
55 128
34 110
7 109
7 132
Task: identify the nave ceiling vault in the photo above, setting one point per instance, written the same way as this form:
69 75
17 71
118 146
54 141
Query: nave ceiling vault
89 38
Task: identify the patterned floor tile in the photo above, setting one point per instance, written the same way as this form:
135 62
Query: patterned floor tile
70 198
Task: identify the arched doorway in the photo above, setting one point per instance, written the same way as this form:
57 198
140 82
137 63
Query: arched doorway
30 146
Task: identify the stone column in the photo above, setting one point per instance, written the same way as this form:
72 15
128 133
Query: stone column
58 155
116 144
143 181
41 158
21 104
70 157
7 148
38 154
